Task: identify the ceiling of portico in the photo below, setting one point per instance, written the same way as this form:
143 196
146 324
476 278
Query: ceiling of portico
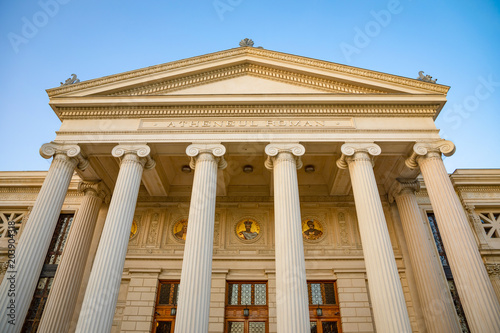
168 179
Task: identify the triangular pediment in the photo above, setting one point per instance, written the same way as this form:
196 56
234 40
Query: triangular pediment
247 70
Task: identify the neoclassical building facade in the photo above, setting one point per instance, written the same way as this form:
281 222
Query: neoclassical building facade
249 190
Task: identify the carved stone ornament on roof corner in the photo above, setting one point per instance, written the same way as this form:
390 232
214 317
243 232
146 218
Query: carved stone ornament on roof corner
246 42
72 80
425 78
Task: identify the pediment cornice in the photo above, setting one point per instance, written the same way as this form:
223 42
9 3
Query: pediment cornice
255 53
309 81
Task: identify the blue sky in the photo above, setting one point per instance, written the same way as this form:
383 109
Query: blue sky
43 42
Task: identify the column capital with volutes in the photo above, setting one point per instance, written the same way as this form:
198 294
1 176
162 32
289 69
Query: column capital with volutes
97 189
355 150
292 150
72 152
140 152
210 151
403 186
429 149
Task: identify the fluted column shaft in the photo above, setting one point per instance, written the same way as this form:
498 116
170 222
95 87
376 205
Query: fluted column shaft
292 305
194 298
478 298
23 272
101 295
439 311
386 292
64 291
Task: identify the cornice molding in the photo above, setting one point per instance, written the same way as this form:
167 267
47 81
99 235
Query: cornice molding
273 74
242 51
127 111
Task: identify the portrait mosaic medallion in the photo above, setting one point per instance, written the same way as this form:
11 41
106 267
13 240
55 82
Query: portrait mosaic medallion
180 229
133 230
247 229
312 229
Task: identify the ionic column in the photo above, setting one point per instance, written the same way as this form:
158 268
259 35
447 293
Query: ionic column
101 295
292 305
389 307
194 297
439 312
23 273
494 273
64 291
478 298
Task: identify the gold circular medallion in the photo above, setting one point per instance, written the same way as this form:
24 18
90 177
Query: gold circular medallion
247 229
133 229
180 229
312 229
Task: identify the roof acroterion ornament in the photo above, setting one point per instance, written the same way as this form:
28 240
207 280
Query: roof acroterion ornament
246 42
425 78
73 79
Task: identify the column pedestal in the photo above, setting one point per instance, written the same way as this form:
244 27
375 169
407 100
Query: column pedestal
435 298
64 291
101 295
389 306
474 287
292 305
23 272
194 292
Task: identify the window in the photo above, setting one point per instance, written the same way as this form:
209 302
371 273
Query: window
490 220
323 296
48 272
246 307
11 221
166 300
449 277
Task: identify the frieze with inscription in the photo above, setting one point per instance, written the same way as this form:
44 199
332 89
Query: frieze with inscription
242 123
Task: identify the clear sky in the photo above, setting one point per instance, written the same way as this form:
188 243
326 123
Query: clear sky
43 42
